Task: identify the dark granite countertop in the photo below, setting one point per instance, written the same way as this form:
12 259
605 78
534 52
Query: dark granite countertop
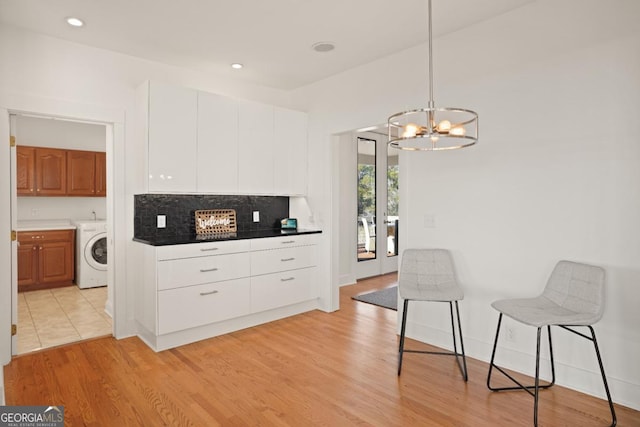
240 235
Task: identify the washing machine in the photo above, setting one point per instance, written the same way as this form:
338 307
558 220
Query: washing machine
91 254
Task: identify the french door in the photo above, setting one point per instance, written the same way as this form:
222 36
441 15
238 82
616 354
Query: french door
377 212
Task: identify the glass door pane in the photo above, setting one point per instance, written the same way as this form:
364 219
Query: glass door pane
366 199
392 202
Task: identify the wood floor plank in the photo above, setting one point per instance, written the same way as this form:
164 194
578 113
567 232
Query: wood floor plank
314 369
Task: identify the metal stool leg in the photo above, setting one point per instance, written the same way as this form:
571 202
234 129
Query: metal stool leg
537 384
614 420
402 331
463 370
520 386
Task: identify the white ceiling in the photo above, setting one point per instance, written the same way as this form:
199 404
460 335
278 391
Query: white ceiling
272 38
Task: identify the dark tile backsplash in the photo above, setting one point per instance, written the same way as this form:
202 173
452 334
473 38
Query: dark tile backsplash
179 210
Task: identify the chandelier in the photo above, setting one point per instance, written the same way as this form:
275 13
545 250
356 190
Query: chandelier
432 128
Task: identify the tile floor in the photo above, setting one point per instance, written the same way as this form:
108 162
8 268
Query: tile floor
58 316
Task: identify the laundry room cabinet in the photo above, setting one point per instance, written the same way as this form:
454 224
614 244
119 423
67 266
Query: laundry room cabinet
86 173
41 171
57 172
45 259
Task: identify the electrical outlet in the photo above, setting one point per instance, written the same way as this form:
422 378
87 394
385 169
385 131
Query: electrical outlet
161 221
511 334
256 216
35 212
429 221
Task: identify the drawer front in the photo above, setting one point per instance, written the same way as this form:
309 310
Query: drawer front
46 236
283 242
178 273
271 261
194 250
281 289
185 308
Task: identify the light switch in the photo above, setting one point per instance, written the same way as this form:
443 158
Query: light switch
162 221
256 216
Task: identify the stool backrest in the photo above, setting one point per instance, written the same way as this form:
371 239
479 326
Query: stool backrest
577 287
425 269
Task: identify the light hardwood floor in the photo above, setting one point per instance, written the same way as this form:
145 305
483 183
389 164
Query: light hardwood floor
326 369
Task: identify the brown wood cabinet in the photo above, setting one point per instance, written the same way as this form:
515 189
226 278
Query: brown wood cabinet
57 172
101 174
41 171
81 173
25 177
45 259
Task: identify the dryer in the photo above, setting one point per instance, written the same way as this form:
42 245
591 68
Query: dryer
91 254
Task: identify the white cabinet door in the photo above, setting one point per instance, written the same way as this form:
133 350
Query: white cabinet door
290 162
217 144
179 273
185 308
255 154
281 289
271 261
172 138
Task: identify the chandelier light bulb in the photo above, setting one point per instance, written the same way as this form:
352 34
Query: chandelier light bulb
444 126
457 131
410 130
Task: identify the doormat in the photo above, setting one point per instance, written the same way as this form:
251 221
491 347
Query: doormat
387 298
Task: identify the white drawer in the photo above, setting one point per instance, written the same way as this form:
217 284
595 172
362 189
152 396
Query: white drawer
194 271
271 261
185 308
202 249
283 242
280 289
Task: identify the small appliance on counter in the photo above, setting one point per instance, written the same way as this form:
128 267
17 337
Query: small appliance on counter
289 224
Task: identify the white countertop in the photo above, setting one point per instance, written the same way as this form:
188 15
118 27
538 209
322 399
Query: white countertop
45 224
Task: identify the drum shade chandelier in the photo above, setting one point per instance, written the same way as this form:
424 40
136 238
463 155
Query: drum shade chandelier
432 128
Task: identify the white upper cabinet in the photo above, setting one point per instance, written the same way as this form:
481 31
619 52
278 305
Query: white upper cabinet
198 142
217 167
172 142
256 148
290 161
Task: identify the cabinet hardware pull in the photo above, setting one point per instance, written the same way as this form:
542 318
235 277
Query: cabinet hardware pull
287 279
208 293
286 259
208 249
204 270
288 241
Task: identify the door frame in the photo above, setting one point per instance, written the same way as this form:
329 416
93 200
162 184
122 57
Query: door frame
114 120
382 264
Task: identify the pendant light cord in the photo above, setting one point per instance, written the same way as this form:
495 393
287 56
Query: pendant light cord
431 103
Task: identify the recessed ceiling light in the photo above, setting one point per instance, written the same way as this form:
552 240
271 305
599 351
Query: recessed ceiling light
236 65
323 46
75 22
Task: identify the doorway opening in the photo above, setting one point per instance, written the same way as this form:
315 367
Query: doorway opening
377 200
367 183
61 296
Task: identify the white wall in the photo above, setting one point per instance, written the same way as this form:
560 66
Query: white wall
41 132
347 207
555 175
79 82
